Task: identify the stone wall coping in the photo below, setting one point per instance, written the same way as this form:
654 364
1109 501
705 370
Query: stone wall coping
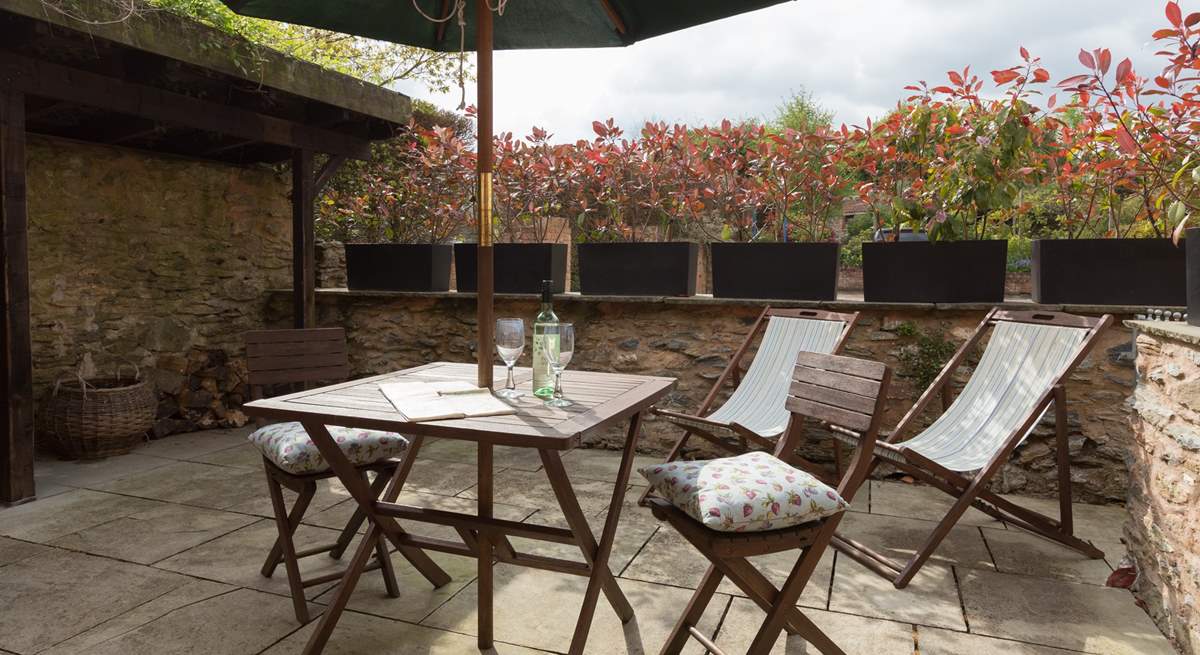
845 302
1189 334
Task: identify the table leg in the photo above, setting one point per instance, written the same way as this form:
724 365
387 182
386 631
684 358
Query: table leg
601 577
485 494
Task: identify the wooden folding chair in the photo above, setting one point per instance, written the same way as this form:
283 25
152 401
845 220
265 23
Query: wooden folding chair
843 391
754 416
302 357
1022 372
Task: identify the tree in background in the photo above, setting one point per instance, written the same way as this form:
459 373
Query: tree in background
802 113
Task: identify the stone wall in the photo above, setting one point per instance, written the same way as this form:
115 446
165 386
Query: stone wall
154 261
1164 491
692 339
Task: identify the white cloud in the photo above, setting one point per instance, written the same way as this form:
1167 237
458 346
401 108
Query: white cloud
855 56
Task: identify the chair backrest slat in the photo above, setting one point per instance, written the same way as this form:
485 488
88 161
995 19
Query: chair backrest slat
296 356
838 390
820 377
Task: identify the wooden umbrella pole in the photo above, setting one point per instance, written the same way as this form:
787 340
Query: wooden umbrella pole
484 310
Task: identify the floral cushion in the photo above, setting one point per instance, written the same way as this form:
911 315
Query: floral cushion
747 493
291 449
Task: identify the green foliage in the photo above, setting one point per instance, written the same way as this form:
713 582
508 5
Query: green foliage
377 62
925 358
801 112
1020 253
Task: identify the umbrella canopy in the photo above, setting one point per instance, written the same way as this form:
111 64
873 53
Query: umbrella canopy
453 25
526 24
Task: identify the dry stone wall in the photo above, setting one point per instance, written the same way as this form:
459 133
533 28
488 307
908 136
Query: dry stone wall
156 262
1164 491
692 340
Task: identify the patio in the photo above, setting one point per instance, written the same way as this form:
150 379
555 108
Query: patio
158 551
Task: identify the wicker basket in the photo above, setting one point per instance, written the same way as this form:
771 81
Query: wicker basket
98 418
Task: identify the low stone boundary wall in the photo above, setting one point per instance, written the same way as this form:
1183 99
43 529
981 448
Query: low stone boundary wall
692 339
1164 487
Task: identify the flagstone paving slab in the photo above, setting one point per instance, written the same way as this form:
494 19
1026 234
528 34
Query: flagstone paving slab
191 483
244 455
92 472
935 641
1023 553
440 477
918 501
930 599
604 465
336 516
237 558
359 633
52 597
12 551
853 634
670 559
330 492
465 452
900 538
418 598
538 609
532 489
153 534
632 534
1063 614
195 444
241 621
1097 523
192 592
50 518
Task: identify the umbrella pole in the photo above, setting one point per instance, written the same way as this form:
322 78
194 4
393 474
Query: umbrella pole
484 309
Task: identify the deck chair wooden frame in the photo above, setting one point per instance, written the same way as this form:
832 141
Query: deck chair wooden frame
972 490
303 357
833 389
734 437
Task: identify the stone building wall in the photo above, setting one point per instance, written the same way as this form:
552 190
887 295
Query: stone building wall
692 339
154 261
1164 491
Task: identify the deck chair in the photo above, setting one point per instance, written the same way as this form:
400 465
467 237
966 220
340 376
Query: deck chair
291 461
833 389
754 414
1020 375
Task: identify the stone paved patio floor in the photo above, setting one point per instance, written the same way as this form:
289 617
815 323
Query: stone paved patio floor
158 552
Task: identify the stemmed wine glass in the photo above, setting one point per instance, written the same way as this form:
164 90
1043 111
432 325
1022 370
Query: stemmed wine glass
558 361
510 343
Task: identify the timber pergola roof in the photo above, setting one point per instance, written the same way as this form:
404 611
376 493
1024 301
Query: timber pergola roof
162 82
158 82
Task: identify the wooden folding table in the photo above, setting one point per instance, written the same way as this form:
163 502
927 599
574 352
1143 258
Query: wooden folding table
602 400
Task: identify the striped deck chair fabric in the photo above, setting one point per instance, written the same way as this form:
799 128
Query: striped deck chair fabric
758 402
1020 362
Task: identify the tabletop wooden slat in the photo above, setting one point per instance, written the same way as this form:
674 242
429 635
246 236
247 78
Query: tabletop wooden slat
601 399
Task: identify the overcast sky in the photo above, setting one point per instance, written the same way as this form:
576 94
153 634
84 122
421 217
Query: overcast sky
855 56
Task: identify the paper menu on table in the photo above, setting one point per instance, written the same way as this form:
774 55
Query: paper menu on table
436 401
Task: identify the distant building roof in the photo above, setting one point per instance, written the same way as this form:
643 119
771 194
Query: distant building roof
853 206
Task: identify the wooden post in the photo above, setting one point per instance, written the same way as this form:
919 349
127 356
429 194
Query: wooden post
16 363
484 256
304 296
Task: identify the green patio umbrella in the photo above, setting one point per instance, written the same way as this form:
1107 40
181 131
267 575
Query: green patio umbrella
453 25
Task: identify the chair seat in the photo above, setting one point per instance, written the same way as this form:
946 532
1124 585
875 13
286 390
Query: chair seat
753 492
290 448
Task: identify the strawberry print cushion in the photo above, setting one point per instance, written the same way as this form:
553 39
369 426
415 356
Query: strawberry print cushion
748 493
291 449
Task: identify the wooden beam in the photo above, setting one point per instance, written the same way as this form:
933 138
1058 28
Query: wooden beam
38 78
331 167
304 296
16 364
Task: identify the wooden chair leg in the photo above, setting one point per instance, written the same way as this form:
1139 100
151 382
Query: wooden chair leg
695 610
784 608
676 451
385 567
939 533
1063 448
350 530
290 561
293 521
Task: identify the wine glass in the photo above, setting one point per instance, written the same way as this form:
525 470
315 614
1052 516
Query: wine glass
566 347
510 343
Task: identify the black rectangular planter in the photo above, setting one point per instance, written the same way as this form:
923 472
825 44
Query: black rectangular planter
1147 272
945 271
638 269
775 271
398 266
517 267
